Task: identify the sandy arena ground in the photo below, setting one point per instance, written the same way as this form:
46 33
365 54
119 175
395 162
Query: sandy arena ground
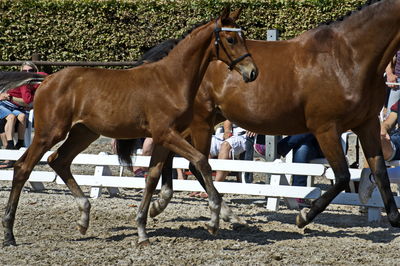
45 232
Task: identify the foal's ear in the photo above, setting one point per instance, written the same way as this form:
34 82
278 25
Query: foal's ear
235 14
225 13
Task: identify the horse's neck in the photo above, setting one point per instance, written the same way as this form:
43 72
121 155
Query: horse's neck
374 33
189 60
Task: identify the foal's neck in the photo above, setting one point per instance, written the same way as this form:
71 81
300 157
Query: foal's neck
374 33
189 60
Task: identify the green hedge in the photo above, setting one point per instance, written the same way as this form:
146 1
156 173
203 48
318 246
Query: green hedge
111 30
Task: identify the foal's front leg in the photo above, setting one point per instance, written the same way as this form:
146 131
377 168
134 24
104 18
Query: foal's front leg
176 143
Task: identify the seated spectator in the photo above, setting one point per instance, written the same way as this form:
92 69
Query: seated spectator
13 110
231 142
305 148
390 141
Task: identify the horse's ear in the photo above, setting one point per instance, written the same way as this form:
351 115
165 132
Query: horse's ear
235 14
225 13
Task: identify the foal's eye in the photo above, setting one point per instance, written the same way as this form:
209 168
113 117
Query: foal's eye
231 40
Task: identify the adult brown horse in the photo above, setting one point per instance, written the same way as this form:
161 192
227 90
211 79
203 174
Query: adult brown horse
153 99
325 81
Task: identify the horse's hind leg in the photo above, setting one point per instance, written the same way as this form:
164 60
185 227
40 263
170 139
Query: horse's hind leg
370 141
166 192
78 139
158 158
329 142
22 169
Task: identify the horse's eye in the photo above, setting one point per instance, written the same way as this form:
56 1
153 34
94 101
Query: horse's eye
231 40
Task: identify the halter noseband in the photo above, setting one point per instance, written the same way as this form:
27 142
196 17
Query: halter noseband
218 43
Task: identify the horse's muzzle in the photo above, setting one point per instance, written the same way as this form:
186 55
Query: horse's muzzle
251 75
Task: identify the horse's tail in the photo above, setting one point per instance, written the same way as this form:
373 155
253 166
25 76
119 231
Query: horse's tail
10 80
124 149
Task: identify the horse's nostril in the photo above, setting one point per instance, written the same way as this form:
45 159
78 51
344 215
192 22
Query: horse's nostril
253 75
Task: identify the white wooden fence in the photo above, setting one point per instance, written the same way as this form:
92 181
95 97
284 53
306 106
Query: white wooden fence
277 189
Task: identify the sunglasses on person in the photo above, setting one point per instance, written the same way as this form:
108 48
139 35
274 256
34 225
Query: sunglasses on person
29 70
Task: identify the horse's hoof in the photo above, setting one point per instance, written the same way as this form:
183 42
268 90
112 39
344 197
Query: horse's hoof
301 219
10 242
143 243
81 229
212 229
153 211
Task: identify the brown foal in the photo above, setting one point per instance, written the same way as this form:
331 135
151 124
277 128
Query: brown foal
154 99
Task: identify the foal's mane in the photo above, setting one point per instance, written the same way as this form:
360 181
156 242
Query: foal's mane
162 49
157 52
368 3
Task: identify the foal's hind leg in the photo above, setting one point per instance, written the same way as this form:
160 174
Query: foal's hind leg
370 141
166 193
329 142
78 139
159 156
22 169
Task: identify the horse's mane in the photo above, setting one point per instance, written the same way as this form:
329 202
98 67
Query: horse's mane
348 14
162 49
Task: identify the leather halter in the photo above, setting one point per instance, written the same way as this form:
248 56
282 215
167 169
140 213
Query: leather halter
218 43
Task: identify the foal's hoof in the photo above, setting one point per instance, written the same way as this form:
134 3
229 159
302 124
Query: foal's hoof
301 219
82 229
153 211
212 229
143 243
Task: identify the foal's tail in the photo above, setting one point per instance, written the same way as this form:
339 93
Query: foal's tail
125 149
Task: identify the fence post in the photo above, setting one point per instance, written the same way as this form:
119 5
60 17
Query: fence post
272 35
271 141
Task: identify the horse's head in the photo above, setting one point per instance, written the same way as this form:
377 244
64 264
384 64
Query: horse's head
230 45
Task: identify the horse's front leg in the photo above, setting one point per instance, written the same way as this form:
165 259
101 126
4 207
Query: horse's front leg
329 141
370 141
176 143
166 193
158 158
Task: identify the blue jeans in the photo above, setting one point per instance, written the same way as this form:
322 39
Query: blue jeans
304 153
305 148
7 108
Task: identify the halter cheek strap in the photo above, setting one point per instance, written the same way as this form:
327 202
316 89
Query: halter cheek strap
218 43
